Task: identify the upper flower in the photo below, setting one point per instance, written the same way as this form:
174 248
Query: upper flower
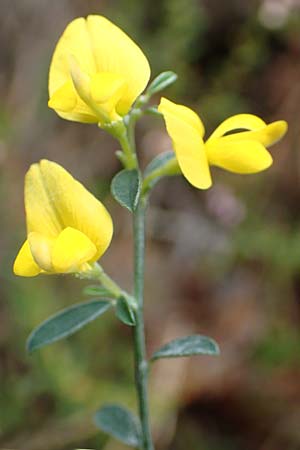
228 147
96 72
67 227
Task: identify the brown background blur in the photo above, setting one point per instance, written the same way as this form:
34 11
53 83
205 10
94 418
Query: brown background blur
225 262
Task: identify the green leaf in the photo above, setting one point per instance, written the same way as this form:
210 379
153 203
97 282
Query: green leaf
119 423
159 162
125 313
188 346
126 187
96 291
66 322
165 164
162 81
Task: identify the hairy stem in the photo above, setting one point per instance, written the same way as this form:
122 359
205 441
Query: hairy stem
130 156
126 136
141 364
108 282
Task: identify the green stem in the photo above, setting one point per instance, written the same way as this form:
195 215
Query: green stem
108 283
135 114
125 134
120 131
141 364
97 273
130 156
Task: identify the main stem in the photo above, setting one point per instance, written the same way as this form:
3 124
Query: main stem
141 364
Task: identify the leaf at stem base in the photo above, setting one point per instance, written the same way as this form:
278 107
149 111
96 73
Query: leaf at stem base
120 423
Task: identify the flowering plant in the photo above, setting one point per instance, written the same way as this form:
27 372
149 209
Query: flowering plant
99 75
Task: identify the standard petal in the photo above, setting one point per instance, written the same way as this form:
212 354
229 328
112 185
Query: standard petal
59 201
75 41
240 156
72 249
238 122
184 113
116 53
41 214
24 264
188 143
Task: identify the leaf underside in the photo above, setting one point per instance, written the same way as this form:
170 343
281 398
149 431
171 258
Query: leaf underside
188 346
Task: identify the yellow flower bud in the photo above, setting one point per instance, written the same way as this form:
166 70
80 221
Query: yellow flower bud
67 227
96 72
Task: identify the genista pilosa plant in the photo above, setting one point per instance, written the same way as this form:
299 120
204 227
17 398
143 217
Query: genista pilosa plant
99 75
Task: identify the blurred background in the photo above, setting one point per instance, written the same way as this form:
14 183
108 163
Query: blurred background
224 262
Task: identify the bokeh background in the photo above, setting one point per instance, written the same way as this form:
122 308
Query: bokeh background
225 262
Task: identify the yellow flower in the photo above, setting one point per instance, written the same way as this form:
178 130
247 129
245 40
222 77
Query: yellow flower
240 152
67 227
96 72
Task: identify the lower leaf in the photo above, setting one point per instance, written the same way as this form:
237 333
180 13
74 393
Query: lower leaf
120 423
66 322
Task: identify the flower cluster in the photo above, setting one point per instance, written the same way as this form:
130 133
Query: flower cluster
96 74
99 75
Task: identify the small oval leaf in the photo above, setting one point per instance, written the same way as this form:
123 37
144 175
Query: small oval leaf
188 346
66 322
119 423
162 81
124 313
126 187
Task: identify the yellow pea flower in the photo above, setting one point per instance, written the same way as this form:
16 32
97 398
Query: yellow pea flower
67 227
96 72
241 152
